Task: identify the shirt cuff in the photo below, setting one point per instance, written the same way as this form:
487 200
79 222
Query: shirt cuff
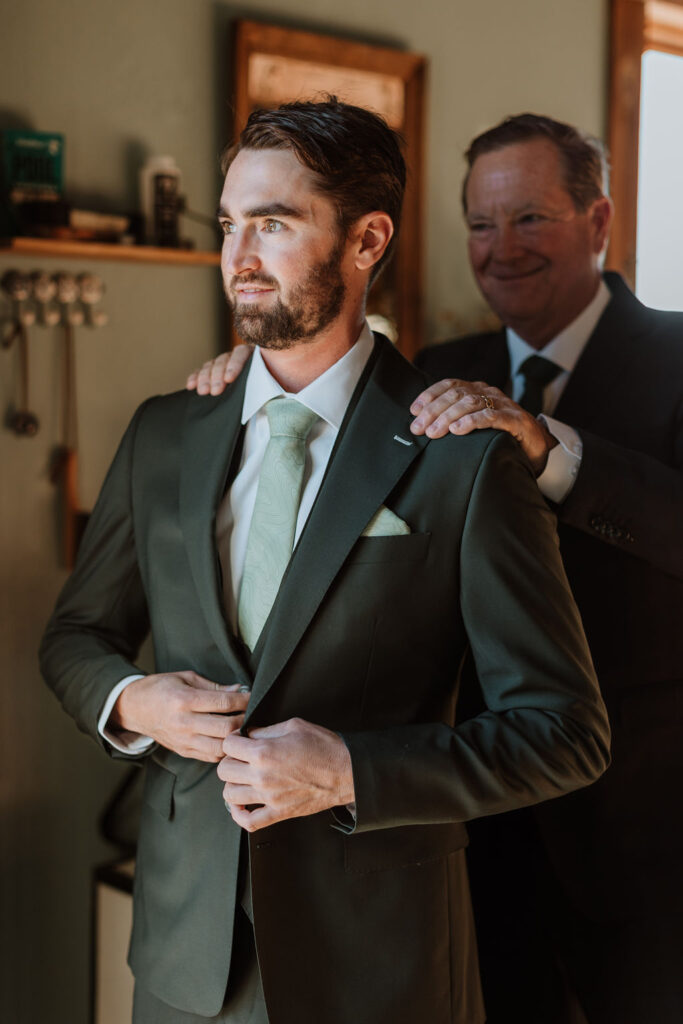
122 740
344 818
564 461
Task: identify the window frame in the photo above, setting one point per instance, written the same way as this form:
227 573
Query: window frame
636 26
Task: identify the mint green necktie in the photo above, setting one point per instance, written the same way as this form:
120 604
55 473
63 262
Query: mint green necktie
273 523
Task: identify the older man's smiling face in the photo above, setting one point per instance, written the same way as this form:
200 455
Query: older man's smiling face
534 254
282 250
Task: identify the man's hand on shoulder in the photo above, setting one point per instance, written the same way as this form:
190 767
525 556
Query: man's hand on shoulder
214 375
182 711
460 406
288 770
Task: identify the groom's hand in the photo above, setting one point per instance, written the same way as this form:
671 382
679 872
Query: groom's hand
284 771
182 711
212 378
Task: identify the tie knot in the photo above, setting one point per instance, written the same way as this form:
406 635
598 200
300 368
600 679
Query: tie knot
289 418
539 370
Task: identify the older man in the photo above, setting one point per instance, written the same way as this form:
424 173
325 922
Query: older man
579 905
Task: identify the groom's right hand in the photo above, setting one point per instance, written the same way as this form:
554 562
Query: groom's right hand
182 711
212 378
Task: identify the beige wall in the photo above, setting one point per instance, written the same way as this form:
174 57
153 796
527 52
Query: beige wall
121 80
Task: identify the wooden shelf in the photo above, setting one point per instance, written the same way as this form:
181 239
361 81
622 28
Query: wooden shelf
106 251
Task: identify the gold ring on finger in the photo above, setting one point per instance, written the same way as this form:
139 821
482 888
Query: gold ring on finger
488 402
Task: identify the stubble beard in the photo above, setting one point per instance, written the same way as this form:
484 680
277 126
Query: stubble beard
311 307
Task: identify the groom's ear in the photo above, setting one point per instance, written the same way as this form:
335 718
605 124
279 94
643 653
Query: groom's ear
371 235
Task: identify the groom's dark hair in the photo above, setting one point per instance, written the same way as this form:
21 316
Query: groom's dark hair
354 155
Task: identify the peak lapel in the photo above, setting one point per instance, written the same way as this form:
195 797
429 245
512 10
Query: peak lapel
211 431
365 466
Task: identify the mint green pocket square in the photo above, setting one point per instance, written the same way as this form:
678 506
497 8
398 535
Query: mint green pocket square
385 523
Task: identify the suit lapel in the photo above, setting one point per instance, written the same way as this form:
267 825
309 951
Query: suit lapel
365 466
585 400
492 362
211 431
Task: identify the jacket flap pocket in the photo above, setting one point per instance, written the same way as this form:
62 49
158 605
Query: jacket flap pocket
158 791
401 847
410 547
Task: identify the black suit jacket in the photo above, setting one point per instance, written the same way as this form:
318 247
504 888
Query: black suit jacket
366 637
618 846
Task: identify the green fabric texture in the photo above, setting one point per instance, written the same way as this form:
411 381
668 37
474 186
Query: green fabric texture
273 523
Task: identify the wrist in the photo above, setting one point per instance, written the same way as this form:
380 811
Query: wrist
346 793
124 714
547 442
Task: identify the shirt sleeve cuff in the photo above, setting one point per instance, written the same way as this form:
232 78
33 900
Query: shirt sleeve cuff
564 461
122 740
344 818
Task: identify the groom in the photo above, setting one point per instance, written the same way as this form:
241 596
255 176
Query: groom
301 854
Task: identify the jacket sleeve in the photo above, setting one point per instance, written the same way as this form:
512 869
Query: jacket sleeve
100 619
630 500
544 731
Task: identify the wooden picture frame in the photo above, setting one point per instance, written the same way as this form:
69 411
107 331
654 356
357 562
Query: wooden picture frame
275 65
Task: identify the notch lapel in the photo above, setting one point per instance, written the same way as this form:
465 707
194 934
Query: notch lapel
211 431
585 401
364 468
491 361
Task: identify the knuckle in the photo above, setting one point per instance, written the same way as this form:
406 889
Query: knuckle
257 757
176 704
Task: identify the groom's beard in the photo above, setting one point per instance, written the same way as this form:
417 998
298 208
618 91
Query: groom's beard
309 308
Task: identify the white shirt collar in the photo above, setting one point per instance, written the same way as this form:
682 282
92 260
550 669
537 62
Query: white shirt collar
566 347
328 395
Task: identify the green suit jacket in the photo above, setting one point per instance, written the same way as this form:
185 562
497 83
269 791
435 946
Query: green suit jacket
366 637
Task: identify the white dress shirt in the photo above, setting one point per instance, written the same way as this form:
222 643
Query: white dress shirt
328 396
564 461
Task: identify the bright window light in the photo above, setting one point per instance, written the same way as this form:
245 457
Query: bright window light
659 260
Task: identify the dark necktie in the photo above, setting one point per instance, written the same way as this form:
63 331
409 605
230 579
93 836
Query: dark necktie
538 373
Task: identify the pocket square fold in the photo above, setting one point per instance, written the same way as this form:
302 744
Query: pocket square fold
385 523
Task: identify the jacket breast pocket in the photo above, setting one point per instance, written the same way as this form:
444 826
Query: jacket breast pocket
405 846
158 789
409 547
